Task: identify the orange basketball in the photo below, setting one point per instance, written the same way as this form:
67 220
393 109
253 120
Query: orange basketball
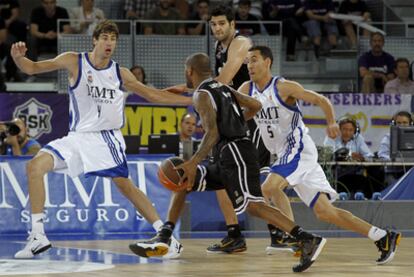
168 176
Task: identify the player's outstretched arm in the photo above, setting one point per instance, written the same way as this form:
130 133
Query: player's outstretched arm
290 91
251 106
151 94
67 60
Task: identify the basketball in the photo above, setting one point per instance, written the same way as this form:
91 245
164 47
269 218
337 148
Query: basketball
168 176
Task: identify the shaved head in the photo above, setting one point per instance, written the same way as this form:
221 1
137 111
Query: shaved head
200 63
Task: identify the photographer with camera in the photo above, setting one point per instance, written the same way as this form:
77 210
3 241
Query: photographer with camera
15 141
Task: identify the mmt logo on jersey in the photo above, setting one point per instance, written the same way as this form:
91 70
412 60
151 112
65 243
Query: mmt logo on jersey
37 117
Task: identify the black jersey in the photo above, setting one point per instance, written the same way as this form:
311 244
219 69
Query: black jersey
230 120
221 58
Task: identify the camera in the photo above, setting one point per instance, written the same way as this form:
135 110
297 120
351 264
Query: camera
11 129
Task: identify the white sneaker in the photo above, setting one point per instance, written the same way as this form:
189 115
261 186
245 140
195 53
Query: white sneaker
175 249
37 243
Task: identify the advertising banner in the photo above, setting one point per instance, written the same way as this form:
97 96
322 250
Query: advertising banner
373 112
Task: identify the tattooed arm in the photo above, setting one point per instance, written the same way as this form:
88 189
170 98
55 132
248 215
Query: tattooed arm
204 107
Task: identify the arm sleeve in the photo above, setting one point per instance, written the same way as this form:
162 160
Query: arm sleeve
384 149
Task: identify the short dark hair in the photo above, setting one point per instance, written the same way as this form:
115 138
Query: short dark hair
144 76
202 1
223 10
245 3
265 52
200 63
401 60
406 114
377 34
106 26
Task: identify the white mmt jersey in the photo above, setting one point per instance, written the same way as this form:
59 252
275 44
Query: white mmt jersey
281 126
96 99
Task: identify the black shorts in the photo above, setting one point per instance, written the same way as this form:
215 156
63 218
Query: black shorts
237 171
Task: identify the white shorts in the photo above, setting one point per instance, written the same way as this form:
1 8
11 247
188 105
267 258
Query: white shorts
305 175
95 153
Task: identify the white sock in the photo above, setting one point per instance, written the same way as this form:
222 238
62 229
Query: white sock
376 233
37 223
157 225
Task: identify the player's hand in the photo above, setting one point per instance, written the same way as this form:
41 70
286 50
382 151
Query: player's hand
333 130
11 140
190 171
18 50
357 157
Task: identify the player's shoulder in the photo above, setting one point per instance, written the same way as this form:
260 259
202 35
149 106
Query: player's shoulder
241 40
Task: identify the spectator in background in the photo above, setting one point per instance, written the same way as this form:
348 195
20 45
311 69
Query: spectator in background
182 6
352 177
187 130
140 75
164 12
136 9
256 7
354 7
401 84
290 12
243 14
202 9
85 17
376 66
392 173
11 69
9 11
20 144
43 27
317 12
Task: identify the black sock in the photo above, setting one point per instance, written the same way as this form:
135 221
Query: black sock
167 229
233 231
275 233
299 234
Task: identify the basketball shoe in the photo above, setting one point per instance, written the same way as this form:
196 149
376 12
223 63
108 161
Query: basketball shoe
280 241
175 249
37 243
154 247
310 248
229 245
387 246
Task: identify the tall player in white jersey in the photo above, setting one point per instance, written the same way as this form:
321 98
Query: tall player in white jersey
94 145
285 134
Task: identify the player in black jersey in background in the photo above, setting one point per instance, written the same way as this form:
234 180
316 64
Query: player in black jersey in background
236 169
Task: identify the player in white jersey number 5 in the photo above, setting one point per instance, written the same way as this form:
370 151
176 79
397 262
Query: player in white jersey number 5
94 145
284 133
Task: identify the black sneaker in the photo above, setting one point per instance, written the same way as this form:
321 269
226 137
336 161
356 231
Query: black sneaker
155 247
285 243
229 245
310 250
387 246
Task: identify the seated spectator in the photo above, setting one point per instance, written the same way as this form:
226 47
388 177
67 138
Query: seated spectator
256 7
164 12
393 173
85 17
9 11
351 139
43 27
202 9
354 7
376 66
136 9
20 144
182 6
140 75
352 177
11 69
187 130
243 14
290 12
317 12
401 84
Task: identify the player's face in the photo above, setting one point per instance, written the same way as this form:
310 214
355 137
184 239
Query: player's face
256 65
402 121
105 44
188 126
221 27
347 131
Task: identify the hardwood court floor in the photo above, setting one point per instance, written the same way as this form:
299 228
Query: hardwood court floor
341 257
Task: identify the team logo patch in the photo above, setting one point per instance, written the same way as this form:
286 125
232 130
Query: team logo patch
37 117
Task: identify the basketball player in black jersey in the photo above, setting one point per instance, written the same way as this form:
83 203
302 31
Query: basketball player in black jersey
236 169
